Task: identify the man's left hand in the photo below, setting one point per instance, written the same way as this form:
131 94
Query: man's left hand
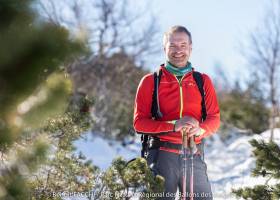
195 131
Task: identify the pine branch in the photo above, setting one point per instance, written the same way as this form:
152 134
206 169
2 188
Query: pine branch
267 159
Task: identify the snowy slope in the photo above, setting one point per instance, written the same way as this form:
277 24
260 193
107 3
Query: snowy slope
229 163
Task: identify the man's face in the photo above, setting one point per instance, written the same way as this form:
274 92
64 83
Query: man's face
178 49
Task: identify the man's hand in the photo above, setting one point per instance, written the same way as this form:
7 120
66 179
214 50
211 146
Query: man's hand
187 123
195 131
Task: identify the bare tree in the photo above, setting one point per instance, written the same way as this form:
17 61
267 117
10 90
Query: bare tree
265 55
120 37
110 26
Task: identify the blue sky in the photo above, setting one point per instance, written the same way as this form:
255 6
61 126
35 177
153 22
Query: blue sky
218 28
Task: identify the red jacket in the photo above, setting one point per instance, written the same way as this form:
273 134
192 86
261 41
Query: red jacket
176 100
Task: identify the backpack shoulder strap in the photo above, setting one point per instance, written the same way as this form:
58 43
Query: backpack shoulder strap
199 82
155 110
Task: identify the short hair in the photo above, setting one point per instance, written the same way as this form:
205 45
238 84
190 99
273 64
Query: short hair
176 29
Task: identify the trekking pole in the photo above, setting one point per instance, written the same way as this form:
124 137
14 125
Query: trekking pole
188 143
185 153
193 150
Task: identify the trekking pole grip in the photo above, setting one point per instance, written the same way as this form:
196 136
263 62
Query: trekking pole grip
185 138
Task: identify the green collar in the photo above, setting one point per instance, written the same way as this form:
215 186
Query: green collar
178 71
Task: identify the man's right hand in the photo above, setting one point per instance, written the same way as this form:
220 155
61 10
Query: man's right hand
187 123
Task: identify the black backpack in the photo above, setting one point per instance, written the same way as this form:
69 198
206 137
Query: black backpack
147 140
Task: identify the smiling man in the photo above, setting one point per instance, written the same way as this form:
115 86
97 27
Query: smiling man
177 47
173 100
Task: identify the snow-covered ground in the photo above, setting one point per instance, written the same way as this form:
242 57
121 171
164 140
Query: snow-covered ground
229 163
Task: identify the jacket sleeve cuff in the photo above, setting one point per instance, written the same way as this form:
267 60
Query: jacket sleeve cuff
173 122
200 135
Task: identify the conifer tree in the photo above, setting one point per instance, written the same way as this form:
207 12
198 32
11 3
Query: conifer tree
267 165
32 90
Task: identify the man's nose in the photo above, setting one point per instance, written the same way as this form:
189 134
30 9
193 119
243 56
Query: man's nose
178 50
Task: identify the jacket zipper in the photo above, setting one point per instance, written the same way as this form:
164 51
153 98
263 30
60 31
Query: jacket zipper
181 98
181 95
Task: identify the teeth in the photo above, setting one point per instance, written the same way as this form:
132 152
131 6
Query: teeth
178 56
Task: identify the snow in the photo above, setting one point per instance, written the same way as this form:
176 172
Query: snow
229 163
102 151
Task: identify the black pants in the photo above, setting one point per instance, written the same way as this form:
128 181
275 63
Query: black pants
170 166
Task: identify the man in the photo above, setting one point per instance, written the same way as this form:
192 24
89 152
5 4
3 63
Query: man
180 104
